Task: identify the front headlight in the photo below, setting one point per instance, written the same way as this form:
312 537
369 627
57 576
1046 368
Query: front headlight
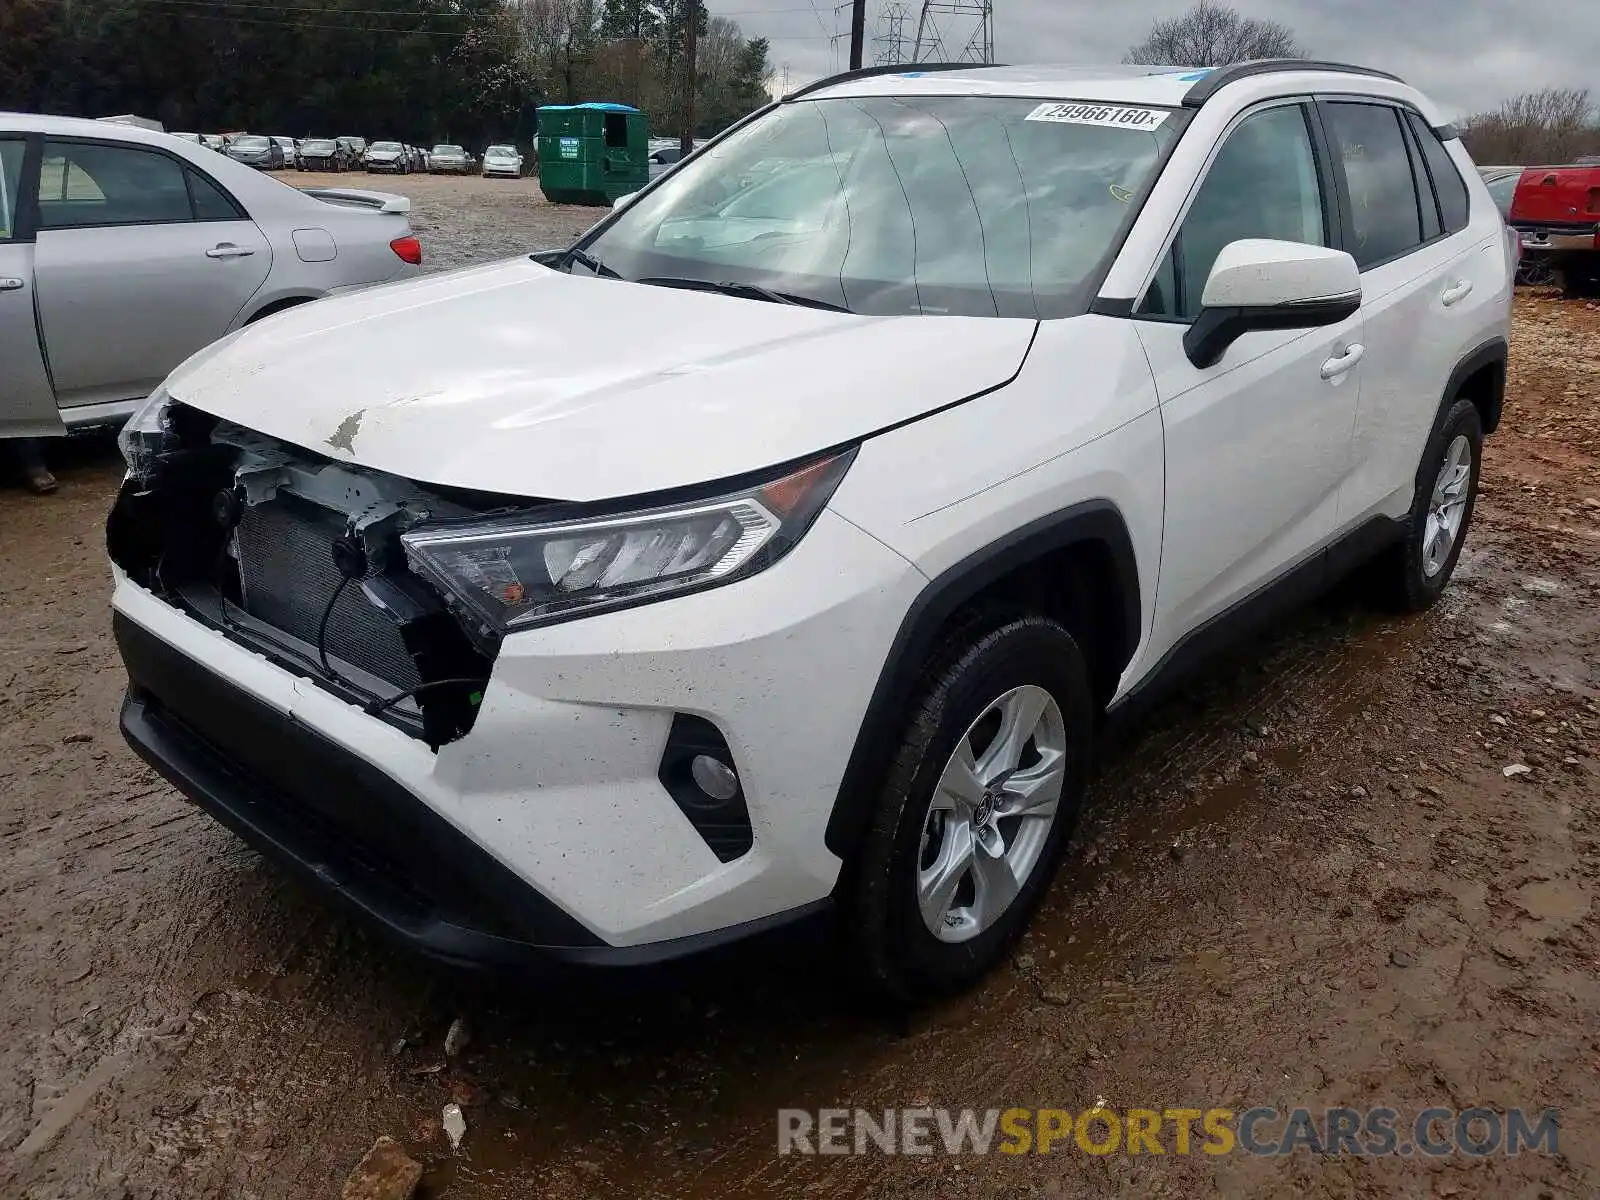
147 434
521 571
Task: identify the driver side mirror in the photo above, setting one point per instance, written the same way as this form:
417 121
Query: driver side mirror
1259 284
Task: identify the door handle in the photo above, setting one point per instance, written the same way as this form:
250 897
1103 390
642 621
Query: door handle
229 250
1456 293
1343 364
11 283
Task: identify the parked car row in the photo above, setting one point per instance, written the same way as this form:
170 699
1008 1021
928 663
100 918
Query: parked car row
349 153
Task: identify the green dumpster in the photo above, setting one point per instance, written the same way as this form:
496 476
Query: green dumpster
592 153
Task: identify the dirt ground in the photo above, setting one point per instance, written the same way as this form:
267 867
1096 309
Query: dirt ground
1308 882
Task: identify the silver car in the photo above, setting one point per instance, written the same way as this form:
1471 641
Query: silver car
447 157
140 248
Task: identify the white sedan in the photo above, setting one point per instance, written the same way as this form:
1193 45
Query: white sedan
502 160
126 250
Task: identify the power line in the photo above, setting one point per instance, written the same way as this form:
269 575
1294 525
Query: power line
421 14
233 20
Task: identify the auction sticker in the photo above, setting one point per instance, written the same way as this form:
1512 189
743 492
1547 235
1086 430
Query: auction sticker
1110 116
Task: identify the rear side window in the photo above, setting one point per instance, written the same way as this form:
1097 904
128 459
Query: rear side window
86 185
1385 210
1447 182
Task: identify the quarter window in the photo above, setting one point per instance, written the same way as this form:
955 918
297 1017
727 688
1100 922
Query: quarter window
11 150
211 203
1262 184
85 185
1447 182
1385 211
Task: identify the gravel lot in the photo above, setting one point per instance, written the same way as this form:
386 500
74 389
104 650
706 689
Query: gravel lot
1307 882
468 219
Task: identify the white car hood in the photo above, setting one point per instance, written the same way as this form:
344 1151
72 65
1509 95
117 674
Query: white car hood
518 379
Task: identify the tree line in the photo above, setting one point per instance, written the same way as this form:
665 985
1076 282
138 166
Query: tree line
417 70
1545 127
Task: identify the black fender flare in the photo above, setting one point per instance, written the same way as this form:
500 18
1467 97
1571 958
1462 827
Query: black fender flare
1095 521
1496 352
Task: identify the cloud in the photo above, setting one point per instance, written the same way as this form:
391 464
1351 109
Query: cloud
1467 54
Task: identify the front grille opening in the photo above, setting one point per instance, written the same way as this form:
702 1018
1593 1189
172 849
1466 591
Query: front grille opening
264 573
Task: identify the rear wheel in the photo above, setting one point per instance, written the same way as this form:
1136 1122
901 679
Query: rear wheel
1414 573
984 791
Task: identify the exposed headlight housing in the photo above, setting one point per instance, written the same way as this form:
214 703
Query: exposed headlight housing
522 571
147 434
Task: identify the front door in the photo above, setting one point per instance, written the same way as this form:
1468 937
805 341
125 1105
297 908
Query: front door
142 260
27 403
1258 445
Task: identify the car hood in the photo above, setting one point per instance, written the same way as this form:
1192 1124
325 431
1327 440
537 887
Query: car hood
518 379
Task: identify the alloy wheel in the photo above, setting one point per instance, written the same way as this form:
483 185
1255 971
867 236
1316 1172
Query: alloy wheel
1448 506
991 814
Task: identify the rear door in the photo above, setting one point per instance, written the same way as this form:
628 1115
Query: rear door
142 259
1432 282
27 403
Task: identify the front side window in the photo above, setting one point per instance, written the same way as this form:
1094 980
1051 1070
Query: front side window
11 151
1263 183
86 185
1385 209
977 206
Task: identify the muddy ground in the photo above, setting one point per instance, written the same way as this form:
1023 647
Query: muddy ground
1306 882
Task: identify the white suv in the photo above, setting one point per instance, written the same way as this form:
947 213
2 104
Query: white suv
779 546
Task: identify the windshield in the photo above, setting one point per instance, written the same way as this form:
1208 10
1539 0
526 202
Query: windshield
978 206
251 142
447 149
316 145
385 146
502 151
1504 191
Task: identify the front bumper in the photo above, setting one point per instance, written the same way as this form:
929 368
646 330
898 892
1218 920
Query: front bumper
546 831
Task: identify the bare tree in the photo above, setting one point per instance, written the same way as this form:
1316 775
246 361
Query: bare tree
558 41
1555 125
1213 35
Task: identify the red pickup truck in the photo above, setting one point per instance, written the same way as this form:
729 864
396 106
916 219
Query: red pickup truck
1556 210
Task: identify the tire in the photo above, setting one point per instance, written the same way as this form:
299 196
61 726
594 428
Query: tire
960 702
1413 574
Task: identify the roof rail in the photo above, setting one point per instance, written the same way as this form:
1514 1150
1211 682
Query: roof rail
873 72
1223 76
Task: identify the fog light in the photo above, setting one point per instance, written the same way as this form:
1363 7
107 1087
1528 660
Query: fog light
714 777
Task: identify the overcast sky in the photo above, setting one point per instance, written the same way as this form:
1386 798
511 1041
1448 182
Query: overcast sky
1467 54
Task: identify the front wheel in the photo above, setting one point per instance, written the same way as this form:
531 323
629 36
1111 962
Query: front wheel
984 791
1414 573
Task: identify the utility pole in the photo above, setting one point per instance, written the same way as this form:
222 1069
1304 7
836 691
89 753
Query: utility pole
858 33
691 38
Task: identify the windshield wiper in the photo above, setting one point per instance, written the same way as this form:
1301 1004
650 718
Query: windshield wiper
753 291
584 259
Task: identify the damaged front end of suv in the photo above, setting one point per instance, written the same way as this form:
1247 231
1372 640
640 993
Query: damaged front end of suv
302 560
